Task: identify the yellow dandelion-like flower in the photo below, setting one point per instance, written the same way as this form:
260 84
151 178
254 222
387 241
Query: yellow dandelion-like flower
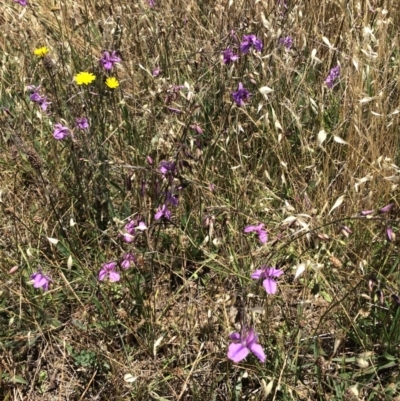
112 82
41 51
84 78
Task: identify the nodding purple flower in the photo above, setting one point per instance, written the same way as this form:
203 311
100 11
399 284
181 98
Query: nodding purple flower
40 280
197 128
163 211
152 3
334 74
259 230
346 231
127 260
229 57
250 41
241 96
60 132
268 275
366 212
109 59
82 123
243 343
287 42
387 208
167 169
108 270
174 110
156 72
390 234
23 3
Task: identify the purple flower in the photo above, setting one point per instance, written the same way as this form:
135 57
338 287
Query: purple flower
21 2
241 96
156 72
244 343
108 269
197 128
44 103
163 211
260 230
334 74
287 42
167 169
171 199
37 98
60 132
367 212
267 274
346 231
174 110
82 123
250 41
40 280
130 229
390 234
152 3
387 208
229 57
127 260
108 60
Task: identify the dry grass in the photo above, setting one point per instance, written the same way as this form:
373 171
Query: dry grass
305 160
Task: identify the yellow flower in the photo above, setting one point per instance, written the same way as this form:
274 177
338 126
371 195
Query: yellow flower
41 51
84 78
112 82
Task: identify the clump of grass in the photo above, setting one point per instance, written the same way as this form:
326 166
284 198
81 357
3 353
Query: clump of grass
185 184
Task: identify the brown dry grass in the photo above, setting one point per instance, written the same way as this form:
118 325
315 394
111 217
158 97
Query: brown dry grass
327 337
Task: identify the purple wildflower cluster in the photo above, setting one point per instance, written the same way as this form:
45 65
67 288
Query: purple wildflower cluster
242 95
36 97
334 74
109 269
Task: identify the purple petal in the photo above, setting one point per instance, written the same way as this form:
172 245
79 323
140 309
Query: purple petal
257 350
102 274
40 281
249 229
272 272
257 274
114 276
270 285
263 236
235 336
128 237
237 352
251 337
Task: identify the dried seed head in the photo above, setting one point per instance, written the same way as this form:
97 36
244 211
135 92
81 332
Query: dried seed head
48 63
34 158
